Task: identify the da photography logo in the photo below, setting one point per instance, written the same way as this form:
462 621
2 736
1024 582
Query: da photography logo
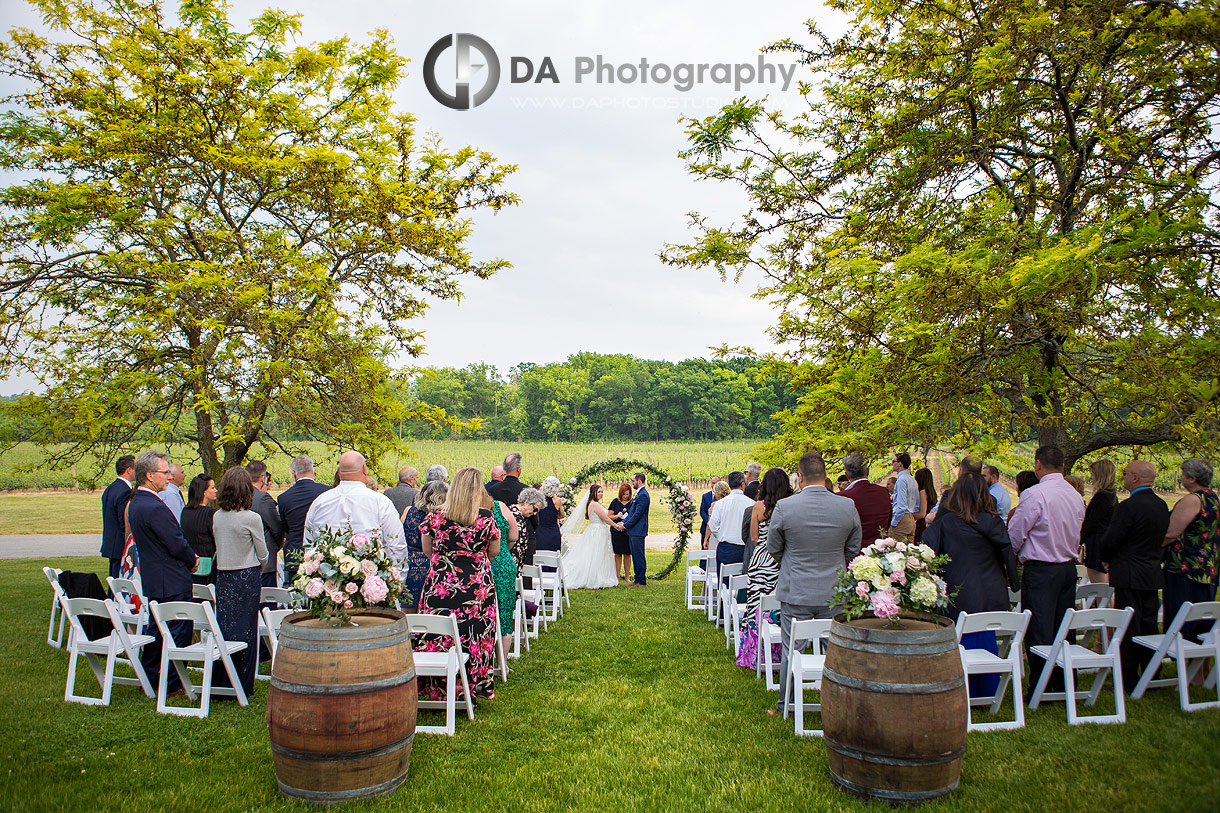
465 70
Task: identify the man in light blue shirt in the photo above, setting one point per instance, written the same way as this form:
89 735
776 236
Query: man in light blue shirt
905 501
172 495
1003 500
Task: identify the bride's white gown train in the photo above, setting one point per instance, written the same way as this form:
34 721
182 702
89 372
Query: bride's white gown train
588 560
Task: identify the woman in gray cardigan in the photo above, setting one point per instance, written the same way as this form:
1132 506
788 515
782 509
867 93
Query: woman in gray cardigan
240 553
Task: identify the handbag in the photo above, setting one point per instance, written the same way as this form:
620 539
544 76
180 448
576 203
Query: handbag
205 566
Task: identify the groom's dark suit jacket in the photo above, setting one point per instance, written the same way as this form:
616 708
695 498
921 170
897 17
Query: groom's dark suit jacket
636 523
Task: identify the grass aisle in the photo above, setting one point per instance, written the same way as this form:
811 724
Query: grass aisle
628 703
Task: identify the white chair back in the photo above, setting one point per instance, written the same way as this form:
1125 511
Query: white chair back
116 645
204 592
133 607
1189 655
211 647
55 638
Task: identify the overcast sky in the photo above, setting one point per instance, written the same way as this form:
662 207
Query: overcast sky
602 189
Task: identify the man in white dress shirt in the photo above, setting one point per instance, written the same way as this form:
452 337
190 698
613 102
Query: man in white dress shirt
725 522
172 494
352 503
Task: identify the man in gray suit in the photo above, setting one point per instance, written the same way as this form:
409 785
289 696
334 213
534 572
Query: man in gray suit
812 534
403 494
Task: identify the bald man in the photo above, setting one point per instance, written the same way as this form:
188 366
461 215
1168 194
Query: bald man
353 503
403 494
1132 547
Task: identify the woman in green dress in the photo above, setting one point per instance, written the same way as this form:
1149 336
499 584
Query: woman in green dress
504 568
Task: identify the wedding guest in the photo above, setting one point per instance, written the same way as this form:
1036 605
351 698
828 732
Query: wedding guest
842 483
705 507
794 480
403 493
872 501
196 521
812 534
1132 550
1076 482
1045 533
529 502
547 535
114 504
619 541
497 475
353 504
241 552
927 499
890 483
166 560
430 498
725 522
753 472
273 524
981 564
719 492
507 489
763 570
1024 481
171 495
503 564
437 472
294 506
905 500
1003 500
1097 517
1192 545
461 542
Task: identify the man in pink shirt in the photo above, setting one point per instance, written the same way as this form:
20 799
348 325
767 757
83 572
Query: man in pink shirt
1045 532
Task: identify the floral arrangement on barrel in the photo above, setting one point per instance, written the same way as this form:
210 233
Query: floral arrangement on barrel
342 572
890 576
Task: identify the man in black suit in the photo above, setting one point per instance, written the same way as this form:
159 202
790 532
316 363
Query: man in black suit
166 559
273 525
1132 547
114 503
753 472
294 506
508 489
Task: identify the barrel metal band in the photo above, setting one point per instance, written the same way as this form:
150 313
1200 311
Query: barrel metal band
894 795
342 756
343 688
340 795
892 759
881 687
324 645
932 648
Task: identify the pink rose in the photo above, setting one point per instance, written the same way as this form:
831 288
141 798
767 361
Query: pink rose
351 587
337 597
901 547
883 605
374 590
347 605
862 589
914 563
368 568
359 541
309 566
313 589
899 577
395 574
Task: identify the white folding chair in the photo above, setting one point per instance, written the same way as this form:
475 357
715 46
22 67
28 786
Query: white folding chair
805 670
204 592
535 593
210 648
55 638
519 628
769 634
1082 574
1014 601
132 606
554 584
279 596
501 655
711 588
1074 657
1185 652
723 595
269 621
117 643
449 664
696 573
1009 629
1092 596
732 612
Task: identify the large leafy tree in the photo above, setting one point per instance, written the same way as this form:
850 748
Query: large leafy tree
211 226
992 219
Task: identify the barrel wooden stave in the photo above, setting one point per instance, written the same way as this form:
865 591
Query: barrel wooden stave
894 709
341 708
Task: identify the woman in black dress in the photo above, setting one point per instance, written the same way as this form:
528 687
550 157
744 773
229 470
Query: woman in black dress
927 500
1097 518
619 540
197 523
548 536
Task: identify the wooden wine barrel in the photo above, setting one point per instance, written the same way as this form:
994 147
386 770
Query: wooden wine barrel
341 708
894 708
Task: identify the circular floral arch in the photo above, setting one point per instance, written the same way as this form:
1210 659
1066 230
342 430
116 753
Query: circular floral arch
681 503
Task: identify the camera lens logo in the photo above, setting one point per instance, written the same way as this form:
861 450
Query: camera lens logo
465 71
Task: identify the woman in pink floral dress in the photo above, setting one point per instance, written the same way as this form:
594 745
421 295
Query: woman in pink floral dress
461 541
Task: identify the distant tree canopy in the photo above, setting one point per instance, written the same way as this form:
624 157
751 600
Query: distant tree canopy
217 235
994 219
604 397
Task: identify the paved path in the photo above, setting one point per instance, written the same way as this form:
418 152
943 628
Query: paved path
33 546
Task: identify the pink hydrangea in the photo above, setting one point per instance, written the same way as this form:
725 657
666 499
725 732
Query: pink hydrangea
862 589
374 590
368 568
351 587
883 605
313 589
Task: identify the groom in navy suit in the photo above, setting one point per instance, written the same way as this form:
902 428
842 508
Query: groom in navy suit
636 526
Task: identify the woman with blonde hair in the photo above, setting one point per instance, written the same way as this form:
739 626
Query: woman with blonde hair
1097 518
460 541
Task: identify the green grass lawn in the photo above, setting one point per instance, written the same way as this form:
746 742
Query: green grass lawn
629 703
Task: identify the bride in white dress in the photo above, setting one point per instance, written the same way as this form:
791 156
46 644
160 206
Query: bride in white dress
588 560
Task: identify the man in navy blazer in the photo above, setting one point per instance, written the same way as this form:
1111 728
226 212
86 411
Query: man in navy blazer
705 507
636 526
114 503
166 559
294 506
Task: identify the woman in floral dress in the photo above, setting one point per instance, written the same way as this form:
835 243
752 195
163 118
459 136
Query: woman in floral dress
1192 555
430 498
461 544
